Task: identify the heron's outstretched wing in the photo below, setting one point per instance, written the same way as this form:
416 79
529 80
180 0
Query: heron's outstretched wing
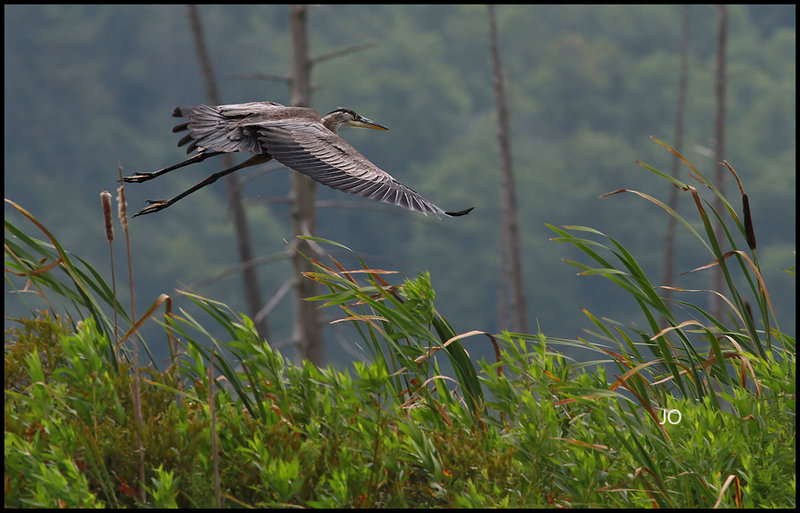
313 150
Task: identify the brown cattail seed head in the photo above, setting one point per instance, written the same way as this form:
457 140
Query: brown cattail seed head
105 198
122 207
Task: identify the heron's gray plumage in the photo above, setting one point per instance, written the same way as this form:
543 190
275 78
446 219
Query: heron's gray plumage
298 138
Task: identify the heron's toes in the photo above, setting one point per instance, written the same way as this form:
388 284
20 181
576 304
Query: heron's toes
139 177
155 206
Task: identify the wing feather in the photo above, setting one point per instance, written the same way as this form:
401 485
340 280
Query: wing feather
315 151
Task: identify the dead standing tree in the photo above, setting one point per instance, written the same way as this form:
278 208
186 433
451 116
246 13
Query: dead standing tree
511 259
307 333
245 248
669 250
307 330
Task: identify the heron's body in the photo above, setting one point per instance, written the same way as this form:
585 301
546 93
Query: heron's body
298 138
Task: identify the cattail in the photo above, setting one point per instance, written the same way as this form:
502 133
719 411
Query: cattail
748 223
105 198
749 233
122 213
122 207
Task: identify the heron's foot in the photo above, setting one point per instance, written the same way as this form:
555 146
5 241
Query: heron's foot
155 206
139 177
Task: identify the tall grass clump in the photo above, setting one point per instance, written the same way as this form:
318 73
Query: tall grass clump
686 409
700 367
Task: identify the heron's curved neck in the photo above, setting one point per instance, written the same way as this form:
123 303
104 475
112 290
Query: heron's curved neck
333 121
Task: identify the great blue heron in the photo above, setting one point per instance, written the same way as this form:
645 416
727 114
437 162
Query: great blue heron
298 138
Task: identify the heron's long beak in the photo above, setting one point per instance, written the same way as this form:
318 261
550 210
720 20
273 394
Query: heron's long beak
367 123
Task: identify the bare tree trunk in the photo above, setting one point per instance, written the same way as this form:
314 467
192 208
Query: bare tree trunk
307 331
503 284
511 255
669 250
719 145
249 272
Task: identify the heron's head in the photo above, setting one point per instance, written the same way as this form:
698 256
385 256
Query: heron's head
347 117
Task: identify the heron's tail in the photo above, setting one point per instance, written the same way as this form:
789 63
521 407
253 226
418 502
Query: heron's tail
210 129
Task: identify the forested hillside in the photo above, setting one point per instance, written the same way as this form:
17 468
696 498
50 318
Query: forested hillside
88 88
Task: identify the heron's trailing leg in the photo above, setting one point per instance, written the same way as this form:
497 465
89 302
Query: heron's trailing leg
143 177
162 204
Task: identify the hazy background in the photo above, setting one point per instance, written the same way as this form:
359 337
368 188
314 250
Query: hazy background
91 87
